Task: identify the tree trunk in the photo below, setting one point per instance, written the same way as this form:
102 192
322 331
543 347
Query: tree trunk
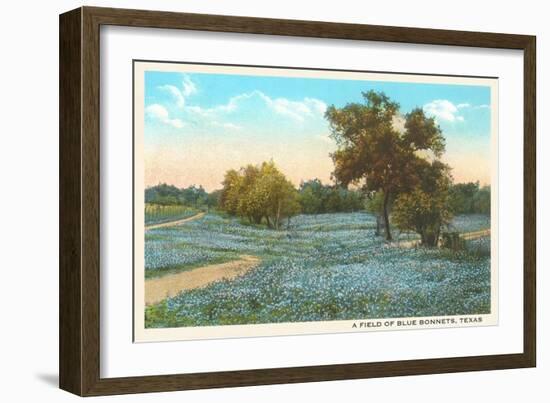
430 238
277 220
387 216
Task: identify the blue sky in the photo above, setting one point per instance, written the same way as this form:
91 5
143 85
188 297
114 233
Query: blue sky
198 125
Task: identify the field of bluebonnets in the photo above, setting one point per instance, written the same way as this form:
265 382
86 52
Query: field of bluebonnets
322 267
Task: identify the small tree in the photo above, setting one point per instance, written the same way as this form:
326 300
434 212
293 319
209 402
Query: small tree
274 195
231 191
259 192
250 175
426 209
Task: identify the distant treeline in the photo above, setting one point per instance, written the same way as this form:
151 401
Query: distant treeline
470 198
192 196
262 193
316 198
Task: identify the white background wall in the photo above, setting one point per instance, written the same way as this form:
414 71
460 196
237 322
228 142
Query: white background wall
29 197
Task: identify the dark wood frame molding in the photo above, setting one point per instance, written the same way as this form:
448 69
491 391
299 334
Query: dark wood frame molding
79 176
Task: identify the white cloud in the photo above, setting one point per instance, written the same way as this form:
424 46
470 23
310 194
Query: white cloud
177 123
157 111
188 88
175 93
230 106
216 110
317 105
463 105
160 113
443 109
296 110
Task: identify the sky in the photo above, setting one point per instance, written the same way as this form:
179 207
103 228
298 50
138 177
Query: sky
199 125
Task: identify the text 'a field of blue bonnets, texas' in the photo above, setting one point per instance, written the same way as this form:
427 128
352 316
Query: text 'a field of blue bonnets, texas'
273 201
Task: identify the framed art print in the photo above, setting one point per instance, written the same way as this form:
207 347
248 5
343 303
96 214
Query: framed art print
253 201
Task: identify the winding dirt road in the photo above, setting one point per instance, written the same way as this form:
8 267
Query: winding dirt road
158 289
174 223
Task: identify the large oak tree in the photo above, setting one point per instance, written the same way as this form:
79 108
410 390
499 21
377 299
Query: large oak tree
375 152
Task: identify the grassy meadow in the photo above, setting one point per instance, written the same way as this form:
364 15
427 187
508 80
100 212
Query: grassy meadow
317 268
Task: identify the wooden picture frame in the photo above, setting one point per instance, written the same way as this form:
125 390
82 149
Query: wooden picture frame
79 280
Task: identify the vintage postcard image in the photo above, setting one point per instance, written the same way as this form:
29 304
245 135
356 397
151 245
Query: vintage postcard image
274 201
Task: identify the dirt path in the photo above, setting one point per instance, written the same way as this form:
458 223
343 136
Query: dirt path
158 289
476 234
466 235
174 223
